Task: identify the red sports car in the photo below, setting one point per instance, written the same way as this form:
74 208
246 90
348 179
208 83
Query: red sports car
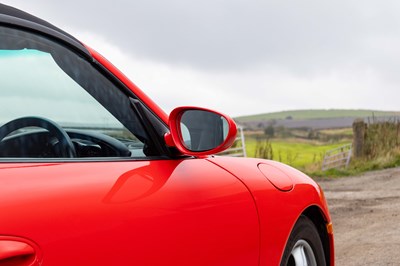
93 172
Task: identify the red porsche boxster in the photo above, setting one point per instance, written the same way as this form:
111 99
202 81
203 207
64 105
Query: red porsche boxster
93 172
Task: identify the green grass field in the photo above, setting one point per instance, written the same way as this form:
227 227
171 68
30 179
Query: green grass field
305 149
294 152
317 113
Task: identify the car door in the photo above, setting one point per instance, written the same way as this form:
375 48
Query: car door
84 182
180 212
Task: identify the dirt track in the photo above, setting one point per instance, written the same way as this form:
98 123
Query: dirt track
365 211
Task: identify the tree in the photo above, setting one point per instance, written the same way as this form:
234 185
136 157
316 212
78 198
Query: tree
269 131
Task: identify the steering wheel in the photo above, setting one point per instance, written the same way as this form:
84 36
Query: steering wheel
67 148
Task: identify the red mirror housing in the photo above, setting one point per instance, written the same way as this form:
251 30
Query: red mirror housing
199 131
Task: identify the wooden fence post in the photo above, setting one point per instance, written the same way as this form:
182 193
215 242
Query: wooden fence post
359 131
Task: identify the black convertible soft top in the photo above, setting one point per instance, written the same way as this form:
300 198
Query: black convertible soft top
15 17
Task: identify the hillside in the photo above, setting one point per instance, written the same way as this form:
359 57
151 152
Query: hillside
314 119
317 114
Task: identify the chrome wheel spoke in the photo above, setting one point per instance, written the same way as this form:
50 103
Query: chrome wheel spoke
303 254
299 256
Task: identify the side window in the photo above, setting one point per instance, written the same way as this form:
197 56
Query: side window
55 104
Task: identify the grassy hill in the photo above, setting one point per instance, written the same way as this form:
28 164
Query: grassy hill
317 113
301 138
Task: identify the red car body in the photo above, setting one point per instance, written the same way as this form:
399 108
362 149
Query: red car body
173 210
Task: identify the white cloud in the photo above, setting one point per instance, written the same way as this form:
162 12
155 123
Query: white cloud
245 57
257 90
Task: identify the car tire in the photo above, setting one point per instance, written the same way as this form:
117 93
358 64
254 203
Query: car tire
304 246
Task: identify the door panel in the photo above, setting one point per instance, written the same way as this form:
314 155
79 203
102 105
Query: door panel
183 212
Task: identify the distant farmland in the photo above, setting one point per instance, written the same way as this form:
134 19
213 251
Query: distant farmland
314 119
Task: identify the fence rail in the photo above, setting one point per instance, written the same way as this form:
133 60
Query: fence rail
238 148
337 158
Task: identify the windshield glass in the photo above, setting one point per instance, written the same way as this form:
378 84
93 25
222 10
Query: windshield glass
36 83
44 80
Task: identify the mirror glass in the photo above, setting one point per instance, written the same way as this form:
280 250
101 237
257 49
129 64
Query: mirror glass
202 130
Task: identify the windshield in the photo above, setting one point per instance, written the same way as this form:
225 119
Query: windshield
36 83
44 80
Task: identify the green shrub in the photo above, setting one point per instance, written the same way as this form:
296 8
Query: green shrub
381 138
264 150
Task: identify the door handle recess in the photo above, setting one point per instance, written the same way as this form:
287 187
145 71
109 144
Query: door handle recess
17 253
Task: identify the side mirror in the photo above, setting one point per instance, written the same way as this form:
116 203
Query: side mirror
199 131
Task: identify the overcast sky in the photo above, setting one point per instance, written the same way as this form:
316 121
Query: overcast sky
244 56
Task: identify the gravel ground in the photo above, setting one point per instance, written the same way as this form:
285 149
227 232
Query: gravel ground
365 211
